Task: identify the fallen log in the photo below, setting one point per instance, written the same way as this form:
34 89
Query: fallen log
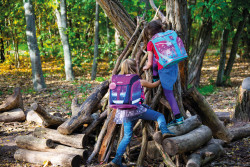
32 116
188 142
48 119
85 110
240 132
33 143
207 115
188 125
204 155
14 115
47 145
143 145
37 157
74 140
12 102
224 116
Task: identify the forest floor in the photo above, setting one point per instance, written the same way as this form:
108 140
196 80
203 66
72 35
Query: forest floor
59 93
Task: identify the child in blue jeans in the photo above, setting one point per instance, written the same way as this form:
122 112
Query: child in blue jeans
168 75
129 116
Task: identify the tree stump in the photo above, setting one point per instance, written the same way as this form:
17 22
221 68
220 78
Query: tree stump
242 109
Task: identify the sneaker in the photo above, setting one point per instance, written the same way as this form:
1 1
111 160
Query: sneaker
179 120
172 123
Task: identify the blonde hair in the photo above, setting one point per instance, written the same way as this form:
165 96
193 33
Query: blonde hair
129 66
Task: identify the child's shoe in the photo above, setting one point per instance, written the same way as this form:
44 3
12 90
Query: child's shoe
179 120
176 121
158 137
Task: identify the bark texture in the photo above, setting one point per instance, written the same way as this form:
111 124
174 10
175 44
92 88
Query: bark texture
37 74
12 102
74 140
37 157
14 115
188 142
207 115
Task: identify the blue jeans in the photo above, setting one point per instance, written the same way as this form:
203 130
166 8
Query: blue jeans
128 131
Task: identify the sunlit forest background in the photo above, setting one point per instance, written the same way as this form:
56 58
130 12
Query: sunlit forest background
226 16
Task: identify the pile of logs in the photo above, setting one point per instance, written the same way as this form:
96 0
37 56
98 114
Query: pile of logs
194 144
12 108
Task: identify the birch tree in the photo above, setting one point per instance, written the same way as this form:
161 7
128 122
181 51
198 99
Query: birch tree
37 74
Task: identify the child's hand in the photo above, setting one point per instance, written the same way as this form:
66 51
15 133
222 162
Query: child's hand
145 68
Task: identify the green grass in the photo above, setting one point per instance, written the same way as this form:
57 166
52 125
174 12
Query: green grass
207 90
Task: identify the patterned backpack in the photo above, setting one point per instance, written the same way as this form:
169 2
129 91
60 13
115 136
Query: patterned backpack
125 91
169 48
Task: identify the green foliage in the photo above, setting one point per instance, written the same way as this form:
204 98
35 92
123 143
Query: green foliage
207 89
100 79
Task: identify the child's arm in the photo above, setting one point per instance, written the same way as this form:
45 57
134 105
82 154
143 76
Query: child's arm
150 60
147 84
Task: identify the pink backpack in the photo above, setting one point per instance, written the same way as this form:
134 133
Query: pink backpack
125 91
169 48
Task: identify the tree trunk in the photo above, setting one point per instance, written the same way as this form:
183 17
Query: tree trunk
96 52
37 74
62 26
2 54
207 115
14 115
66 160
119 17
188 142
87 108
242 109
198 53
204 155
74 140
223 51
176 16
234 48
48 119
118 42
34 143
12 102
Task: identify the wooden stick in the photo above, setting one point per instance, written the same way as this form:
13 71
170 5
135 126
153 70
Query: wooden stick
100 137
107 139
144 145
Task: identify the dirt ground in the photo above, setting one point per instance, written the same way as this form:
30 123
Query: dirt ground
59 93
